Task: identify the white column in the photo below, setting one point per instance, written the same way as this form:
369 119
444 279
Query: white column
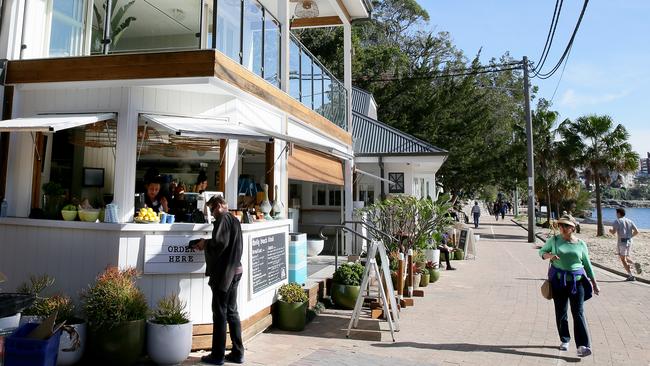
125 158
232 172
347 64
348 167
280 176
284 11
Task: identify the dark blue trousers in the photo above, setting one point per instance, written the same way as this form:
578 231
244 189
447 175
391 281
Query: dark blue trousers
562 298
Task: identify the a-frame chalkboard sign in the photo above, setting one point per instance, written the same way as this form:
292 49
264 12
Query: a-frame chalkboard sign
387 296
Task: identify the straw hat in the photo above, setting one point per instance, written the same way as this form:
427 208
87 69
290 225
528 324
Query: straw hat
568 220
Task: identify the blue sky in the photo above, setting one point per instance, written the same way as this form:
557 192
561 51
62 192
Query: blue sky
609 67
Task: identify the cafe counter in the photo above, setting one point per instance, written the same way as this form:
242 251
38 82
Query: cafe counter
75 252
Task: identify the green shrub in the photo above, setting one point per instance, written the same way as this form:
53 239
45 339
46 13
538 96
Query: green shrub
35 286
114 298
292 293
349 274
169 311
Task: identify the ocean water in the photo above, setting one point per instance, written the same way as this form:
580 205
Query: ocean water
640 216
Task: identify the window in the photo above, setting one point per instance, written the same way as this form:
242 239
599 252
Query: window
228 28
271 50
367 193
253 25
326 195
67 28
318 194
398 183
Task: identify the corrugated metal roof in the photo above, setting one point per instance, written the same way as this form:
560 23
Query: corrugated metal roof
361 101
371 137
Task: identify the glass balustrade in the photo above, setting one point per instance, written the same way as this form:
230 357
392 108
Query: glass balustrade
245 32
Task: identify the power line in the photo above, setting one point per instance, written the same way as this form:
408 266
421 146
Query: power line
476 72
568 47
549 37
561 75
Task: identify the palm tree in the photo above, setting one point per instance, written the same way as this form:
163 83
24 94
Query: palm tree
594 144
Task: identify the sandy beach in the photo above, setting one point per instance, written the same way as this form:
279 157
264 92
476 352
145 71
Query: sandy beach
602 250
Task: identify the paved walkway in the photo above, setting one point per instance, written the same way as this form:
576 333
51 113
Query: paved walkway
488 312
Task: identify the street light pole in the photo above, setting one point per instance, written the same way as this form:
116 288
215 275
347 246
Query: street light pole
530 162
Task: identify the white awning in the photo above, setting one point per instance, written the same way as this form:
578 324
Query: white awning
373 176
305 143
53 122
202 127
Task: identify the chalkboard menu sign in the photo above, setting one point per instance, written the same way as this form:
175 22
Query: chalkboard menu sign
462 240
268 260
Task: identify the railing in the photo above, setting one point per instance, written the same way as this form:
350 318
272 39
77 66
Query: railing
244 30
313 85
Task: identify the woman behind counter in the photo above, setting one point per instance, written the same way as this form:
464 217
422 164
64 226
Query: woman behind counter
154 198
572 280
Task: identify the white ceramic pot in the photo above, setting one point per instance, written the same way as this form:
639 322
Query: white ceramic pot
71 355
169 344
436 258
10 322
314 247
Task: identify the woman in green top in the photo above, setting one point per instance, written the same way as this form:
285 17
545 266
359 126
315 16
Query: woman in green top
570 274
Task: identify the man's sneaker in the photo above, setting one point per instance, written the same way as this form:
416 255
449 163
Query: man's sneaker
630 278
211 360
637 266
584 351
234 359
564 346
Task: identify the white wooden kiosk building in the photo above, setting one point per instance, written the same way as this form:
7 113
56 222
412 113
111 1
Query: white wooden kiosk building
238 109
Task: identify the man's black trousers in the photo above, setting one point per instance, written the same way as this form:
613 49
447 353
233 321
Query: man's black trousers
224 310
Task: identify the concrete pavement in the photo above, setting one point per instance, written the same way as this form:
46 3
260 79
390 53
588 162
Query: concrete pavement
488 312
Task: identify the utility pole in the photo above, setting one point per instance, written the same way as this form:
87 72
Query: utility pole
531 168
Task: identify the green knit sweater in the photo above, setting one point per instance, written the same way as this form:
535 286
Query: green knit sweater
573 256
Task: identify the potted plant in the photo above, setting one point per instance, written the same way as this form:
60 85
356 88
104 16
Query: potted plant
417 276
116 311
424 277
347 284
169 332
434 274
35 286
458 254
291 307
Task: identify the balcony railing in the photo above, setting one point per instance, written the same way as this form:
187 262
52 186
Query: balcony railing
313 85
244 30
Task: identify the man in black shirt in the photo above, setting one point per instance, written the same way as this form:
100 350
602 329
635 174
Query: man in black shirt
223 254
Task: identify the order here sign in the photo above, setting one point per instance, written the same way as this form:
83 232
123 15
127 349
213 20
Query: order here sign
169 254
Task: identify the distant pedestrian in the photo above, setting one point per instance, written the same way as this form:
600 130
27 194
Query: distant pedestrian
625 230
476 213
572 281
496 210
504 208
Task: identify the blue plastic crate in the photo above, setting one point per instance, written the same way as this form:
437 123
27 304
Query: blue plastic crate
21 351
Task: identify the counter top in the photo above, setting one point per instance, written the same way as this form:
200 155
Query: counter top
176 227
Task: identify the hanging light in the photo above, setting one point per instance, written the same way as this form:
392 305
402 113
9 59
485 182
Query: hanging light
306 9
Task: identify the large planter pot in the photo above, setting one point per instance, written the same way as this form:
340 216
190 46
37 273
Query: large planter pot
122 344
9 322
345 296
291 315
416 280
169 344
424 281
459 255
434 275
68 355
314 246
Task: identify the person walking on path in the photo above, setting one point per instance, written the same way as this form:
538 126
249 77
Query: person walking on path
223 254
476 213
504 208
496 210
625 230
572 282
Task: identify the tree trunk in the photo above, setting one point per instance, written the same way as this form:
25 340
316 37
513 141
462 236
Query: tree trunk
548 204
599 210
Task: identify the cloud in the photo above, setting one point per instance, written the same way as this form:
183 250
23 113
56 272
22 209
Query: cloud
572 99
